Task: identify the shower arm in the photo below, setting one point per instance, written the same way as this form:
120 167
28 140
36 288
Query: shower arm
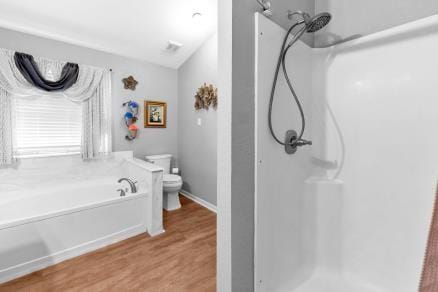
304 15
265 5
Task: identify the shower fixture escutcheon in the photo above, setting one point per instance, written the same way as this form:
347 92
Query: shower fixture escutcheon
291 142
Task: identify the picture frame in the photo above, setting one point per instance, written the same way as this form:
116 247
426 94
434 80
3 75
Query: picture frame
155 114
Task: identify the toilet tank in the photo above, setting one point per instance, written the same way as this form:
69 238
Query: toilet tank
162 160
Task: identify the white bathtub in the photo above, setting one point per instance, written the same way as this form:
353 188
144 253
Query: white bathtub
49 223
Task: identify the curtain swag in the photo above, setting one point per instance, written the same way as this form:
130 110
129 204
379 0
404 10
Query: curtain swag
29 69
24 76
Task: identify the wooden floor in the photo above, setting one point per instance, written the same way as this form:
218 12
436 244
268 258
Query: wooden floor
181 259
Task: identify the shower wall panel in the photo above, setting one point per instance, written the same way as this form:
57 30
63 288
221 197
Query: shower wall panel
284 226
382 91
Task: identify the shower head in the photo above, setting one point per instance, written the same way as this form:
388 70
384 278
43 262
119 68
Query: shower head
314 23
317 22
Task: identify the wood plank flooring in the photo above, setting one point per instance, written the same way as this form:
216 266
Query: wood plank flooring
181 259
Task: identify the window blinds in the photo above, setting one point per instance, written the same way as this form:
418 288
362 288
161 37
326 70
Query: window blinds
47 126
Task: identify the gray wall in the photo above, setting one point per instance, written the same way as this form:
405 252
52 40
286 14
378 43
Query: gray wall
242 145
155 83
197 145
236 146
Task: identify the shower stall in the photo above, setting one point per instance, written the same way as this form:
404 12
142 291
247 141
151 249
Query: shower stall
351 212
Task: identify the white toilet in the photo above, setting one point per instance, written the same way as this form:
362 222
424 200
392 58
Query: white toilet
172 183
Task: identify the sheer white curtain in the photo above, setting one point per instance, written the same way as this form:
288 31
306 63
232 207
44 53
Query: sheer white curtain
6 138
96 120
92 89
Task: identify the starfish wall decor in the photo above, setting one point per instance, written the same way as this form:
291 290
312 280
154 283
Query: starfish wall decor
130 83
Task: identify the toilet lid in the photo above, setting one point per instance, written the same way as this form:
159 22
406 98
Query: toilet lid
172 178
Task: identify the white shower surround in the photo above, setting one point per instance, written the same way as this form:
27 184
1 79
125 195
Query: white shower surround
44 220
352 212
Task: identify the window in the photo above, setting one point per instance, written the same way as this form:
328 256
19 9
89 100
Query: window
47 126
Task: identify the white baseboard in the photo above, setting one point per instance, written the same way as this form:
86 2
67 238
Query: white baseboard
198 200
152 234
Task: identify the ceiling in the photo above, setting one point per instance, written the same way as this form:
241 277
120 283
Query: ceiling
132 28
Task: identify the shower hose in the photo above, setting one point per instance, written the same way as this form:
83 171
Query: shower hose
299 141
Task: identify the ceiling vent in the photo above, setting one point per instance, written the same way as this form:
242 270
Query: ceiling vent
172 47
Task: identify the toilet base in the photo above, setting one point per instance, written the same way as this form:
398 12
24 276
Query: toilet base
171 201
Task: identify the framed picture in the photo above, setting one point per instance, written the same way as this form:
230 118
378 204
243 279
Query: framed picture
155 114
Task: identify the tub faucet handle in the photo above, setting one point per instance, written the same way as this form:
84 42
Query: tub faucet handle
134 187
122 192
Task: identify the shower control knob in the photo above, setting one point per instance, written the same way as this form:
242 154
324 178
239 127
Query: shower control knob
302 142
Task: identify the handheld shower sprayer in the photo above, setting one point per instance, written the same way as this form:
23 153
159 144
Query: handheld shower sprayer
313 24
308 24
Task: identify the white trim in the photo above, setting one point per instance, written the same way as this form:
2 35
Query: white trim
224 142
155 233
256 150
198 200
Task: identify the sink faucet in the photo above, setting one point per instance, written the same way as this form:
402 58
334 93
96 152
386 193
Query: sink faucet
131 184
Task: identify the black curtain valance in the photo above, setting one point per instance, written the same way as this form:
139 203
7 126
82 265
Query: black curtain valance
29 69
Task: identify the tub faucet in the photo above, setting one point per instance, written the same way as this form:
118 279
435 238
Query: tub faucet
131 184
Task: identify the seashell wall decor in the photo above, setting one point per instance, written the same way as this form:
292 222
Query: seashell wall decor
205 97
130 119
